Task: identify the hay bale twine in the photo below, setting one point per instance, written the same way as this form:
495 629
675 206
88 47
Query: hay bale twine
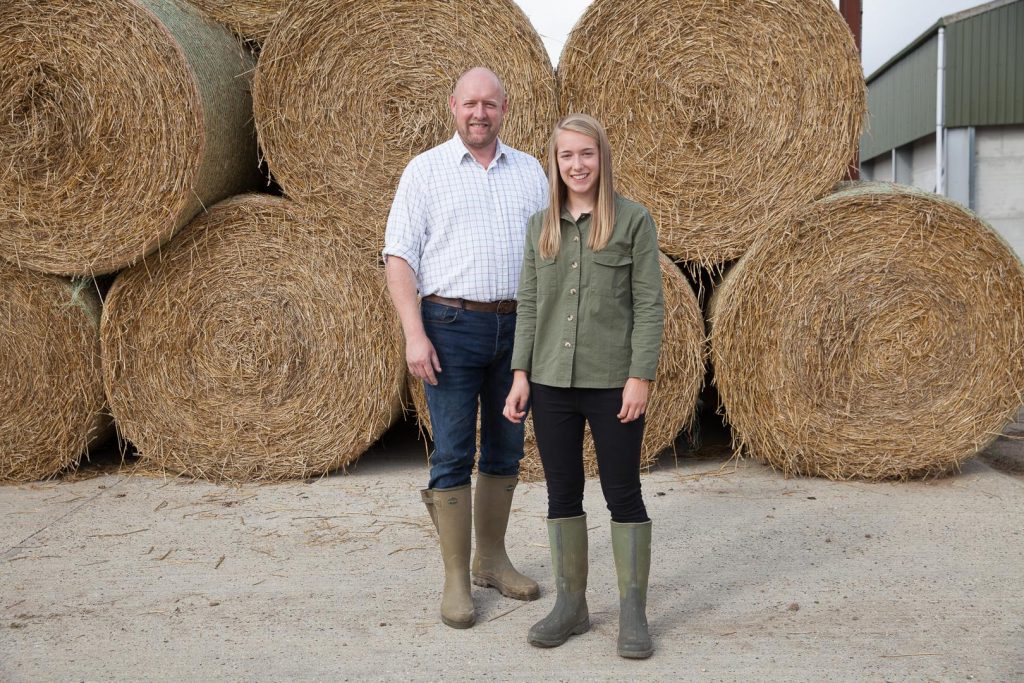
673 398
882 339
724 116
348 92
119 121
249 18
256 346
51 387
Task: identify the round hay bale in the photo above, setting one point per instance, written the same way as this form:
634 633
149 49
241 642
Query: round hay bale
249 18
882 339
51 387
673 396
348 92
724 116
256 346
120 121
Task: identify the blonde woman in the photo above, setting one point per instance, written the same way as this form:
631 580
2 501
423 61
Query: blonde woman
586 348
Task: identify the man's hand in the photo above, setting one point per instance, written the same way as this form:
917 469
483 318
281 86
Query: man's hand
634 399
518 395
422 359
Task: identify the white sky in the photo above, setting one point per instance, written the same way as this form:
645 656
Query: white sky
888 25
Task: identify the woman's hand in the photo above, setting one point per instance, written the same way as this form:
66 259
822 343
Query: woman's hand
518 395
634 399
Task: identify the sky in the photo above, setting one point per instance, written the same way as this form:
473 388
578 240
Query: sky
888 25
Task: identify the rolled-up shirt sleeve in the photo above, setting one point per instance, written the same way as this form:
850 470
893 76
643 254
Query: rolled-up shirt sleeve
407 222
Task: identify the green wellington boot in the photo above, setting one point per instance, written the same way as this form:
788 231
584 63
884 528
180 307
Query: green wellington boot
631 545
491 566
451 512
569 617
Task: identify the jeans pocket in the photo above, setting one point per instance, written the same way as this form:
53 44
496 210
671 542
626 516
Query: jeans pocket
439 313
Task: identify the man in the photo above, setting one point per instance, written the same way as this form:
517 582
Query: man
455 234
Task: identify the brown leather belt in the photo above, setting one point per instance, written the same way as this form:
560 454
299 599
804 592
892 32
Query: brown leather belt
503 307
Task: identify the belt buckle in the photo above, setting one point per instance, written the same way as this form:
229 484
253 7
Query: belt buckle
506 306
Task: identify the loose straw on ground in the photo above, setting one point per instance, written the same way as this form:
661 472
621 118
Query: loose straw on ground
882 338
347 92
673 398
51 388
256 346
119 121
724 116
249 18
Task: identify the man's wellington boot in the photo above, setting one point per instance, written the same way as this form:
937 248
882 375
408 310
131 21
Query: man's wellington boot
569 617
491 566
452 514
631 545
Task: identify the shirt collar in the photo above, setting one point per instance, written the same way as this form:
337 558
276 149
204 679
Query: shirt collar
458 151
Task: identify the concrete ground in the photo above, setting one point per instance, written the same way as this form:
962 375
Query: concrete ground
755 577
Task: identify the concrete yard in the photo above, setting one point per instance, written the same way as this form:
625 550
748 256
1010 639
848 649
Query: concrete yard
755 577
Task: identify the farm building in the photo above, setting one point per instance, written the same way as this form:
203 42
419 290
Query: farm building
946 114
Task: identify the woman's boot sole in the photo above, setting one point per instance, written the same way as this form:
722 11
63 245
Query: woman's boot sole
578 630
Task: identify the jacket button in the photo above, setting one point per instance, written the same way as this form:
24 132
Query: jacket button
575 264
573 291
567 345
569 318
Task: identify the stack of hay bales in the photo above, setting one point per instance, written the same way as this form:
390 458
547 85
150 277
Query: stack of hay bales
724 117
257 346
51 391
881 339
119 121
347 92
674 392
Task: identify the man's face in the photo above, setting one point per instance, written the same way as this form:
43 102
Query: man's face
479 107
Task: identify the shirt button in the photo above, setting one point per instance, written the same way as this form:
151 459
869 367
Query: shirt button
575 264
567 345
576 238
573 291
569 318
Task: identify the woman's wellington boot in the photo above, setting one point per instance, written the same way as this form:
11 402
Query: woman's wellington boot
452 513
631 545
568 540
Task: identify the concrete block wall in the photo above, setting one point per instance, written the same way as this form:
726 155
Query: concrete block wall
999 181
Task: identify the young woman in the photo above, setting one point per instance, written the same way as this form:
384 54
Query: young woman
586 348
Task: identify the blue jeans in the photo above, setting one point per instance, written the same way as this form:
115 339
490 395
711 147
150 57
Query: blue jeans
475 352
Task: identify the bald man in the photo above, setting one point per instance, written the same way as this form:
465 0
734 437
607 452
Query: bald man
455 236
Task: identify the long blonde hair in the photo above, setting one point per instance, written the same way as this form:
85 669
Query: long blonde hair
602 221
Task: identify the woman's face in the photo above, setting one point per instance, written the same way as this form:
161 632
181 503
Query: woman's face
579 163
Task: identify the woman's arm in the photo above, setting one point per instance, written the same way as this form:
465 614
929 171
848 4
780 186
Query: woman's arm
526 327
648 321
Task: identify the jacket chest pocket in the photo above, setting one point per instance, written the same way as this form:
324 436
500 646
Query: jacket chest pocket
547 277
612 272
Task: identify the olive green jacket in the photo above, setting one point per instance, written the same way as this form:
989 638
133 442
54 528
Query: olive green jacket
591 319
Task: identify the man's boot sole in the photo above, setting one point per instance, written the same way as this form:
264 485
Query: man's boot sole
577 630
457 624
484 582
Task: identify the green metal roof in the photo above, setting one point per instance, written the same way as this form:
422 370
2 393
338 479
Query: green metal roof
984 83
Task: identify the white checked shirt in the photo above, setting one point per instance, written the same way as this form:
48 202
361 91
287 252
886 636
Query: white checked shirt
462 227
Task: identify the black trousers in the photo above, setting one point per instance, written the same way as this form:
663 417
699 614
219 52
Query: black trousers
558 419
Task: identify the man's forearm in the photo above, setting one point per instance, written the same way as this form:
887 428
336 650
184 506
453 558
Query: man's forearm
402 287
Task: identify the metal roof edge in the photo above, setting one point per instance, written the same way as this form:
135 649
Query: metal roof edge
942 22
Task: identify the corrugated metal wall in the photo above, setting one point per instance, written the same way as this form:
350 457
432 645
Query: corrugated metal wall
985 68
984 82
901 102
